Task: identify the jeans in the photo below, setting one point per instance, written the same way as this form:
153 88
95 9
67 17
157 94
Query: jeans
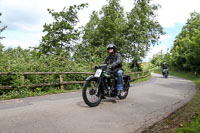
119 80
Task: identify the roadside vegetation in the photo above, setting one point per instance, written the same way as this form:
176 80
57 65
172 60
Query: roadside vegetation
193 107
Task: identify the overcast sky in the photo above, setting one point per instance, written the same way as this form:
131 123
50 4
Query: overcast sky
25 19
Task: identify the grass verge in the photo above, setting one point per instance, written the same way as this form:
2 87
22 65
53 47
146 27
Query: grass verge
141 80
187 118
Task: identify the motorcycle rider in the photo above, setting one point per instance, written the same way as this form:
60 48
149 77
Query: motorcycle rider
114 62
164 66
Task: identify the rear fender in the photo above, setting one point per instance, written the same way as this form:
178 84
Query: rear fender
126 77
126 80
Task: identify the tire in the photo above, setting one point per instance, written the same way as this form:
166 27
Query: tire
125 90
90 93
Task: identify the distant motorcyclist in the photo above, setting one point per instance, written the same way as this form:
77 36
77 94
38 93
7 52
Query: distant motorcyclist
164 66
114 62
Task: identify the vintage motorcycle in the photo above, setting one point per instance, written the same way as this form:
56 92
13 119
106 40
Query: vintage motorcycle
103 84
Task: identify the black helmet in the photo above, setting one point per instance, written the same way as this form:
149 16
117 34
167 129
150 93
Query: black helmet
111 46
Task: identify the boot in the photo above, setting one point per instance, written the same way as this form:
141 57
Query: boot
118 92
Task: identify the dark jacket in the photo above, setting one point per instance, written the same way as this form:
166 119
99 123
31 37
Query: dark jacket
164 67
114 62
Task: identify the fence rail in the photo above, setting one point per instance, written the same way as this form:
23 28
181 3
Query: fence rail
42 73
61 83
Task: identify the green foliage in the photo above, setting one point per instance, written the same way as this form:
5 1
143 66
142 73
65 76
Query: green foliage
1 30
61 34
191 128
19 60
147 66
112 24
186 49
142 79
133 33
185 54
104 27
142 29
158 59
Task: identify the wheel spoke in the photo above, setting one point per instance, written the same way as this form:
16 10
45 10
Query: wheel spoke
92 97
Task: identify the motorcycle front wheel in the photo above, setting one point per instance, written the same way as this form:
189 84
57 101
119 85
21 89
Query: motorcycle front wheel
91 93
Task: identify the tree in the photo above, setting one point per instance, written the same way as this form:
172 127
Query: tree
106 26
61 34
133 34
112 24
158 59
90 41
186 49
143 30
2 29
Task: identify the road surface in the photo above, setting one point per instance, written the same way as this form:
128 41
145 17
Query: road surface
147 103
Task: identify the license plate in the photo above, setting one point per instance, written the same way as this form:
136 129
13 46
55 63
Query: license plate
98 73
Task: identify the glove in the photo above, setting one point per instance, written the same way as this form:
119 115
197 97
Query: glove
96 67
110 66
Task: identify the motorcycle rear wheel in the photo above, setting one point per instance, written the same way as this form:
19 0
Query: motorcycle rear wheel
91 93
124 92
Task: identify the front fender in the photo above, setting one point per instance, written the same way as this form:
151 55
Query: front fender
91 78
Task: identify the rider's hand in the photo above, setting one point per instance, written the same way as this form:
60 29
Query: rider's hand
96 67
109 66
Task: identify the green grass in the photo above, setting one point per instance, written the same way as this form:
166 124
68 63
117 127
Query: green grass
194 125
141 80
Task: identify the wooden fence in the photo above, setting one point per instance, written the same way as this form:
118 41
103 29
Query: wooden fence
139 75
134 76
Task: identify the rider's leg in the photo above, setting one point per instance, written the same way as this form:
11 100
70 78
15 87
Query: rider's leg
119 81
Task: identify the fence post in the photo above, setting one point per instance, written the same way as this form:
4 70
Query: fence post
22 79
61 81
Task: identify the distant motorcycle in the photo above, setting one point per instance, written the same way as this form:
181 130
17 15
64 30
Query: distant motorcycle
165 73
101 85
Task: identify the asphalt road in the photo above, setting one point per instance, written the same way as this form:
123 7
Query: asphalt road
147 103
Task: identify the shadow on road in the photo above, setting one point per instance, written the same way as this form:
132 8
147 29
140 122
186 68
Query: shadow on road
82 104
109 100
164 77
